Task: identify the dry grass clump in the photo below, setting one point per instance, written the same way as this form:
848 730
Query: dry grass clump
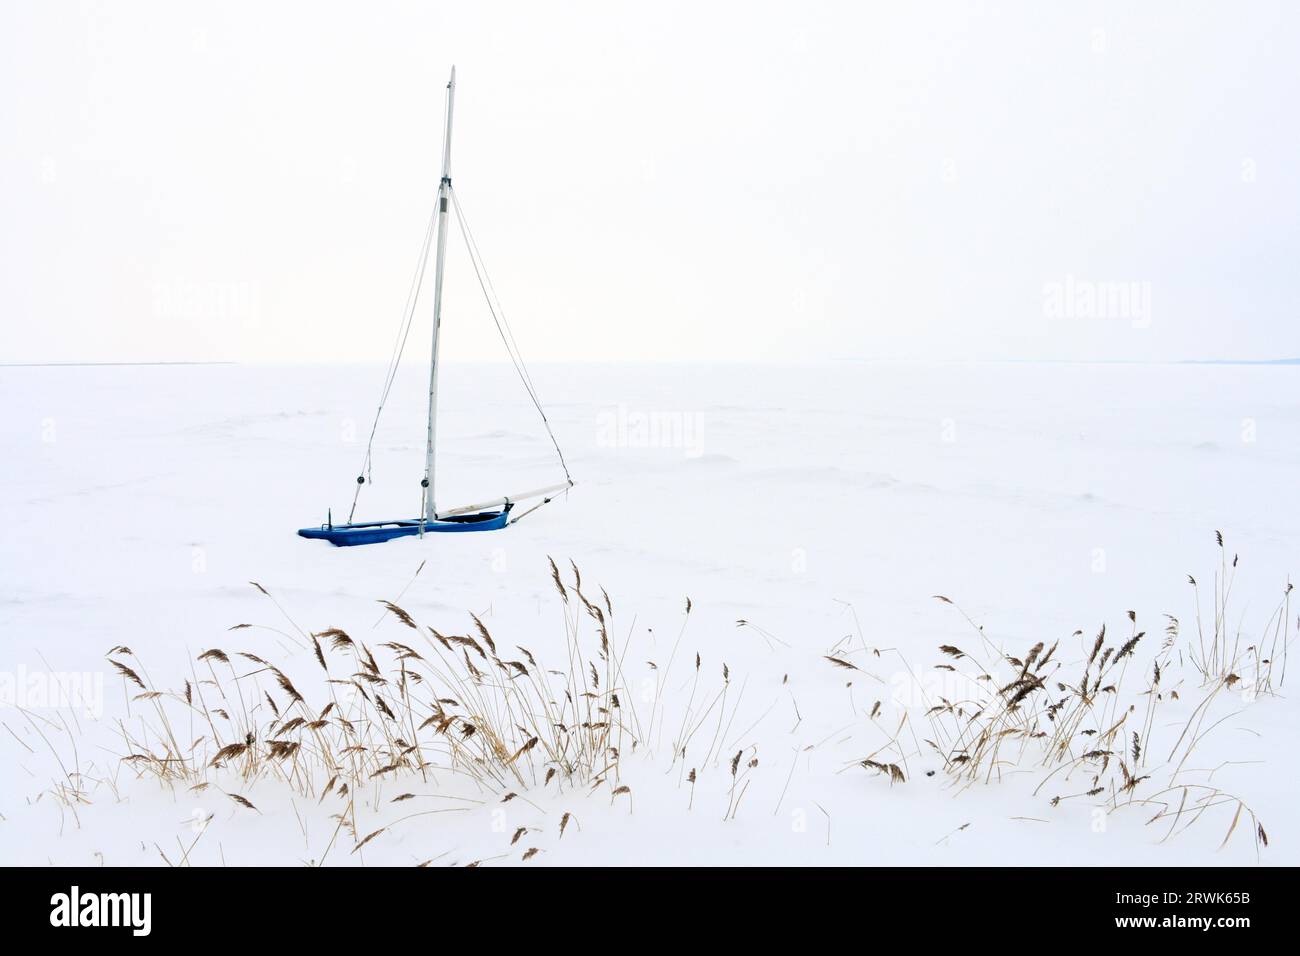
418 705
1218 653
1095 718
368 723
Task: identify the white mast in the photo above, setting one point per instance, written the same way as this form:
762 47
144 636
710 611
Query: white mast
444 195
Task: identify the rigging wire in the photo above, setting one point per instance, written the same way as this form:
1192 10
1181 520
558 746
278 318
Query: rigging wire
490 291
399 345
503 328
404 330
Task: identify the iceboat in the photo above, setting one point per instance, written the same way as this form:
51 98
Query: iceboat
491 515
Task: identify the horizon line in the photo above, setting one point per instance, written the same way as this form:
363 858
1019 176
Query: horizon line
685 361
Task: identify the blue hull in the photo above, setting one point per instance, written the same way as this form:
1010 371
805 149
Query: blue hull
374 532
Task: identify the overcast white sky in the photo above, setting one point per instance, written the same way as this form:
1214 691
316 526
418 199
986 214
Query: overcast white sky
698 181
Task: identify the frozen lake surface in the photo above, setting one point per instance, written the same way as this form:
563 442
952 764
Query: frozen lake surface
815 502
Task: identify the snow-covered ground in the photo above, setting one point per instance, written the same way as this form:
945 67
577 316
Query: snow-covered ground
815 502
